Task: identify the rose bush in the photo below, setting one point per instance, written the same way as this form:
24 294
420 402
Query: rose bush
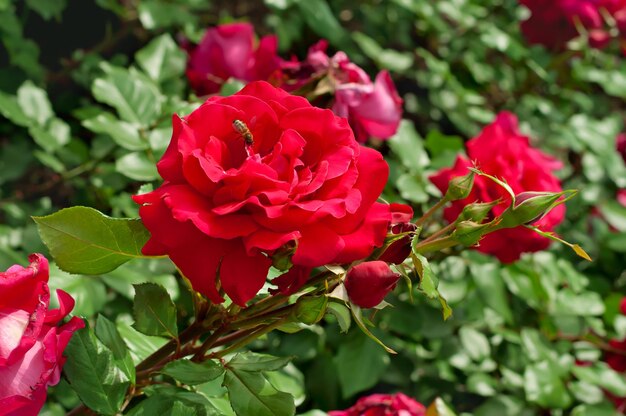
31 339
229 51
226 207
502 151
383 405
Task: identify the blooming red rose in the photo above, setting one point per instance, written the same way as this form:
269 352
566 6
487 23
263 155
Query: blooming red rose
229 51
226 207
383 405
31 341
563 16
368 283
502 151
374 109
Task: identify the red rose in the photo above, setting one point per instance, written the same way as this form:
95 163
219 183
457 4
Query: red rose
226 206
31 342
383 405
373 109
368 283
563 16
502 151
228 51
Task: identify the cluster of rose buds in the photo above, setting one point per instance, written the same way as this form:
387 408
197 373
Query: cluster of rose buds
522 167
373 109
554 23
31 339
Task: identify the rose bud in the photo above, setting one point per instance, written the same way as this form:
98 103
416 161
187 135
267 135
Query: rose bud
469 232
368 283
477 211
32 341
399 250
528 208
383 405
460 187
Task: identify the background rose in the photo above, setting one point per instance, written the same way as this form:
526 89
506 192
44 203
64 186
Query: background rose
562 16
229 51
502 151
374 109
31 343
383 405
225 208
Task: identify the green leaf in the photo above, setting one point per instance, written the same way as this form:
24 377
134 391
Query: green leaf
251 393
408 146
354 375
579 304
191 373
162 59
602 375
123 133
133 95
154 311
140 345
47 8
34 103
89 292
82 240
55 135
490 285
475 343
342 313
250 361
428 283
10 109
321 19
93 375
137 166
311 309
544 387
108 334
156 14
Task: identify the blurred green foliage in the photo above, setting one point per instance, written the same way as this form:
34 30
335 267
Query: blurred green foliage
84 124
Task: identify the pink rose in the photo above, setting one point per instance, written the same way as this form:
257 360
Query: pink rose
229 51
368 283
31 341
373 109
523 167
383 405
298 185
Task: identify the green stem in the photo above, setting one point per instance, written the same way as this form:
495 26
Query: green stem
435 245
430 212
439 233
249 338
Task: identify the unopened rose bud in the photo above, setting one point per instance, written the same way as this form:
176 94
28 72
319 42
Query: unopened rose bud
281 259
469 233
528 207
477 211
460 187
400 249
368 283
